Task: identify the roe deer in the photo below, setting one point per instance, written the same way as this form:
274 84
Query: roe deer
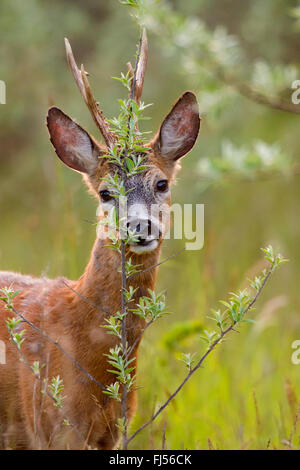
71 312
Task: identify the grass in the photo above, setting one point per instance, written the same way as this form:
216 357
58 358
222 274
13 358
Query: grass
247 394
217 408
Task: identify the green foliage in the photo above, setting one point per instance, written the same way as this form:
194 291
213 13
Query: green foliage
7 294
295 13
180 331
36 369
274 258
122 425
130 3
241 303
126 80
128 157
49 218
243 162
273 79
56 388
188 360
212 55
131 269
113 391
114 326
16 337
209 338
217 64
151 308
234 314
130 139
130 293
122 366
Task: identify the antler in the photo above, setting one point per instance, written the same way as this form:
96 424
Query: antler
82 82
138 76
140 69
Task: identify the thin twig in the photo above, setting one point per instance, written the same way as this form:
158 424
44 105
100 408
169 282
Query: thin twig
157 264
135 94
57 344
199 363
294 428
163 442
275 103
86 299
124 342
138 338
38 377
246 90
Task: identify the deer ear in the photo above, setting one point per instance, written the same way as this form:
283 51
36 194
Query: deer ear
179 131
72 144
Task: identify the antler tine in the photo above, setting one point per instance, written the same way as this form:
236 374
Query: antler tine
130 70
74 69
108 135
82 82
138 80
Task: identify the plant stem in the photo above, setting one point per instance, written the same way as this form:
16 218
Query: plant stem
123 268
199 363
57 344
37 377
124 341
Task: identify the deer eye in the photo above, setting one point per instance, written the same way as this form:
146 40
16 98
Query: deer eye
105 195
162 185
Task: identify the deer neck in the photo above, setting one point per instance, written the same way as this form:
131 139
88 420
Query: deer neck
100 285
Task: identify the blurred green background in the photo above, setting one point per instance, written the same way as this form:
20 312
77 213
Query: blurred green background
248 393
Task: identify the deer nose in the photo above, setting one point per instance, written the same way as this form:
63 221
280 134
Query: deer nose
141 228
145 230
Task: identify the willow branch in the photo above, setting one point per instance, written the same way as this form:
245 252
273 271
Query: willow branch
38 377
135 94
57 344
200 362
157 264
247 90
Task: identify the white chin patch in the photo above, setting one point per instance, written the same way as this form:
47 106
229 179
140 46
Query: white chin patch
140 249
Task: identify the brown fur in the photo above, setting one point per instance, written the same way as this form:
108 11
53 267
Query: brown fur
72 312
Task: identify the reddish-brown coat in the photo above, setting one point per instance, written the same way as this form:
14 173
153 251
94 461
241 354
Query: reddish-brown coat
72 312
71 320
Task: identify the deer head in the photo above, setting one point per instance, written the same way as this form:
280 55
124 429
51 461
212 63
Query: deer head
81 152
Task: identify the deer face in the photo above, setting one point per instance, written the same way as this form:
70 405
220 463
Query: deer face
148 199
